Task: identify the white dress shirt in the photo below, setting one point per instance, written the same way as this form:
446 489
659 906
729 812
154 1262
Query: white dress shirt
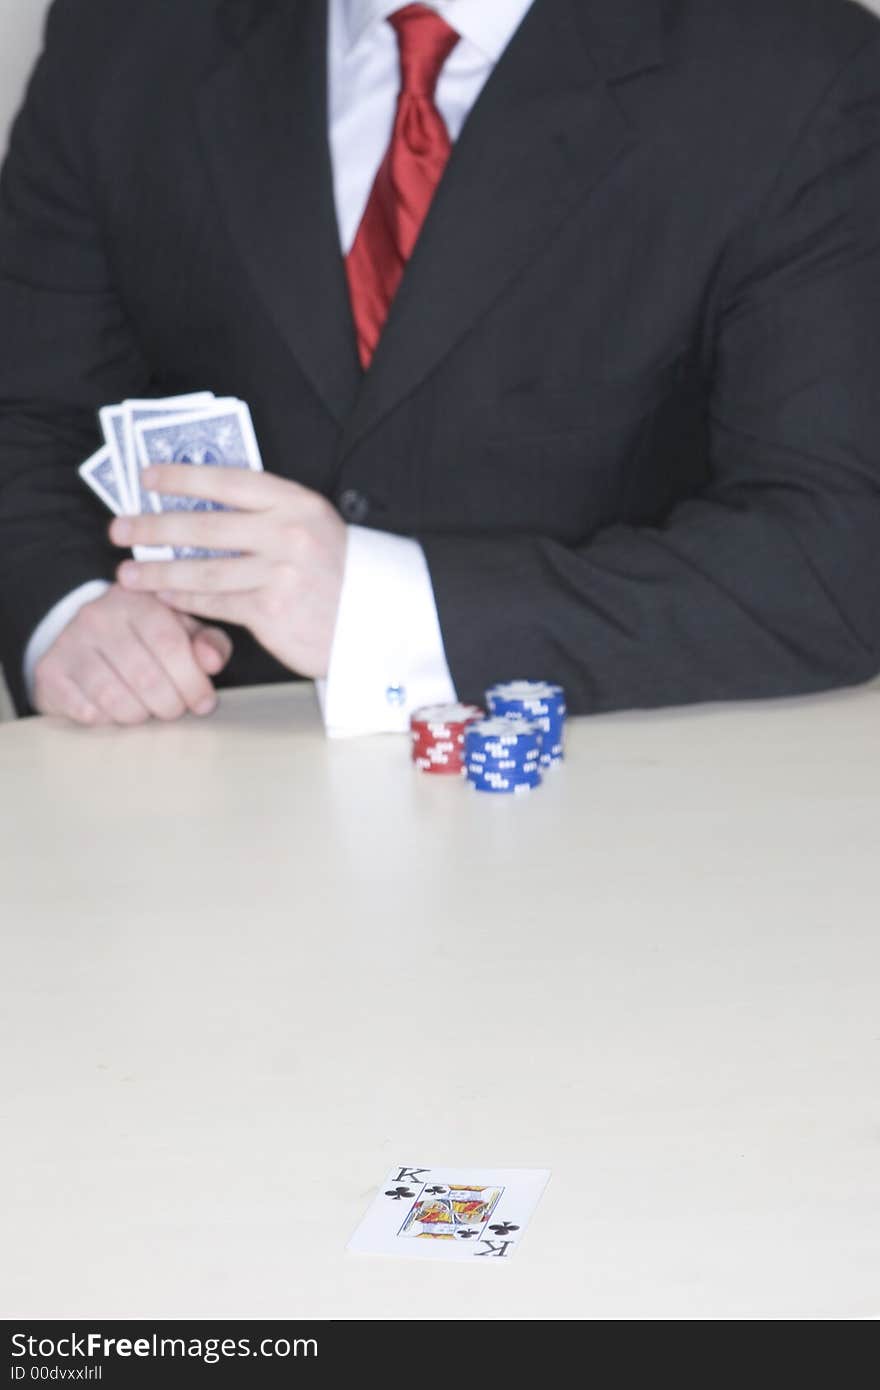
387 656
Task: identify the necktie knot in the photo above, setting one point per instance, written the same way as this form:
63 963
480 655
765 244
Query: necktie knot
425 41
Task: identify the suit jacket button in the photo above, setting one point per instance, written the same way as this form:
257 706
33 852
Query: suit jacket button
354 506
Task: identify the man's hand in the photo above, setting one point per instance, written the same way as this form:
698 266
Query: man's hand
126 658
284 580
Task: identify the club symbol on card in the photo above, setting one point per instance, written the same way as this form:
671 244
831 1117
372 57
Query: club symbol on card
467 1235
504 1229
436 1191
398 1193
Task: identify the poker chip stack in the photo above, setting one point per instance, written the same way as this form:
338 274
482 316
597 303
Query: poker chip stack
438 737
503 756
538 703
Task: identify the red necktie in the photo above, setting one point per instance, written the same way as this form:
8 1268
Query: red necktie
408 176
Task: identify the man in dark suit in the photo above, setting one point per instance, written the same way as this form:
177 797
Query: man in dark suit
617 425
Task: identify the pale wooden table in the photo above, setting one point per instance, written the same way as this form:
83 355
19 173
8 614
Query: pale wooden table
243 971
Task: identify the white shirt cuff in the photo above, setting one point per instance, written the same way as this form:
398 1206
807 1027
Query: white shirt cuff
387 658
50 629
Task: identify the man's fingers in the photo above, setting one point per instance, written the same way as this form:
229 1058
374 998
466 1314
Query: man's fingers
212 647
146 675
240 488
236 531
127 657
61 697
166 637
104 688
225 576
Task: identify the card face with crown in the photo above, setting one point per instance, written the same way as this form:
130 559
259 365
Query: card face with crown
450 1213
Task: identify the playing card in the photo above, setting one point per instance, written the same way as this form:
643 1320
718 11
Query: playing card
112 419
450 1213
220 437
133 412
100 474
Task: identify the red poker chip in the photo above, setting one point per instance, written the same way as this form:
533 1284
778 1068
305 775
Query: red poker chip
437 737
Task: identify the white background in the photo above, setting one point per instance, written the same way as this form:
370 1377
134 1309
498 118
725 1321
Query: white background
21 23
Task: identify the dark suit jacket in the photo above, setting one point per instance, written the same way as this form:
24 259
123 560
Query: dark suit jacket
628 398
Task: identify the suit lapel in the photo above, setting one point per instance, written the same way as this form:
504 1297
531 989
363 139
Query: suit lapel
263 119
544 131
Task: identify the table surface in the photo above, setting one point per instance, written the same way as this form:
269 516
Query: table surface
243 971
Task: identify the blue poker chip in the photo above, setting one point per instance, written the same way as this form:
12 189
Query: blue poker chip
507 773
503 767
537 702
502 756
506 776
501 738
508 789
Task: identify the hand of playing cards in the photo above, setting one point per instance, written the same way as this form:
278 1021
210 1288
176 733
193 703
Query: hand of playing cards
199 429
